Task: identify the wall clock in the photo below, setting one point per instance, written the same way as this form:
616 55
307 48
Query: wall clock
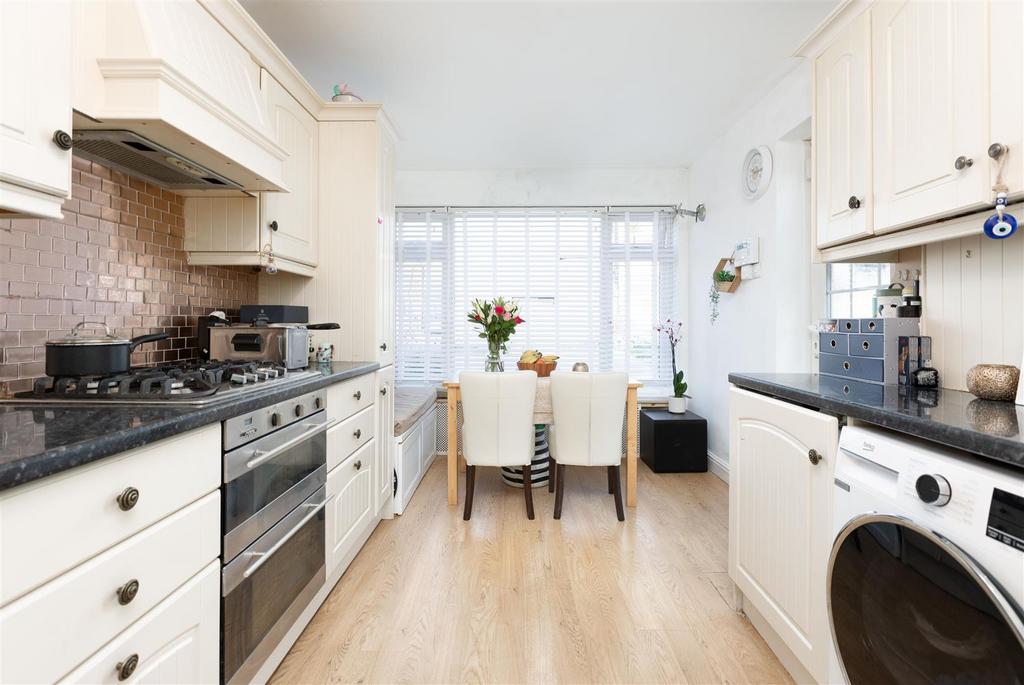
757 172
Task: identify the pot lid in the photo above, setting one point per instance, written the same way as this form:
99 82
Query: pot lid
893 290
77 338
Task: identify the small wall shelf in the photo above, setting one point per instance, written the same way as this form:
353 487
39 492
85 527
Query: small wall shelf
727 286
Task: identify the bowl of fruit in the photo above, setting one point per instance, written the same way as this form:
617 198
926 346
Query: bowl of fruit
534 360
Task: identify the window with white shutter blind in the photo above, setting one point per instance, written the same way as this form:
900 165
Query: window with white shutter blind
591 283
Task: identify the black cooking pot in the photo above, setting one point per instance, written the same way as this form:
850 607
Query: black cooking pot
98 355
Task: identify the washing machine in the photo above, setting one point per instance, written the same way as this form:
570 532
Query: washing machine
926 575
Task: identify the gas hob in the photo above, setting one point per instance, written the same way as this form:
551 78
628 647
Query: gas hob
187 383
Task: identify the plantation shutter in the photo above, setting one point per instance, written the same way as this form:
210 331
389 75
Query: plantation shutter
591 284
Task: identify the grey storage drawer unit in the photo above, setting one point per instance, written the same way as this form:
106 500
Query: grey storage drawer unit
873 393
834 343
862 345
865 349
862 368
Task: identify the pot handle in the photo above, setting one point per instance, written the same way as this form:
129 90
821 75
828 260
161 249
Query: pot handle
152 337
83 324
322 326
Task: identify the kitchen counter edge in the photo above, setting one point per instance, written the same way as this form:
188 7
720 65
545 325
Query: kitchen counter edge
167 422
952 429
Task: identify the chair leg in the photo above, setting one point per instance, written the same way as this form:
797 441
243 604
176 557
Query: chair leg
528 491
552 466
611 483
470 484
559 491
613 476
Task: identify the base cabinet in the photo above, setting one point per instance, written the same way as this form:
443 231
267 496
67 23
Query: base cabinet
385 484
781 459
177 642
350 491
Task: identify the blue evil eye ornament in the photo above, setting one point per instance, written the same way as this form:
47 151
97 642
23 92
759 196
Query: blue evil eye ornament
1000 225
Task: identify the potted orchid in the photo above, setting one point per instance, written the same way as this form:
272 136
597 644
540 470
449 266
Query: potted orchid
673 330
498 319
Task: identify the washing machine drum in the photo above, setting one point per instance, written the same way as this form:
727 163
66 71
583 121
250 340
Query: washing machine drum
907 606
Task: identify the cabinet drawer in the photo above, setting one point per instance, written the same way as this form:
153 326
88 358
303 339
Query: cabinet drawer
54 524
81 610
848 325
350 435
867 345
876 325
348 397
864 368
177 642
834 343
351 487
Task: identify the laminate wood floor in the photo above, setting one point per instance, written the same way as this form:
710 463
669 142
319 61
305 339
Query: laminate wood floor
501 599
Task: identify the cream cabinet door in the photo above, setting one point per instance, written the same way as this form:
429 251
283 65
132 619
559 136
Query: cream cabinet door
386 253
385 437
1007 85
350 490
931 109
35 103
842 131
779 518
290 219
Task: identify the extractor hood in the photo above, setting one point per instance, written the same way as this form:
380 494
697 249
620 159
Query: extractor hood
163 91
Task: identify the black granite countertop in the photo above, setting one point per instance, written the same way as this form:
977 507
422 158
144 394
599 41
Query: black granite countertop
38 440
949 417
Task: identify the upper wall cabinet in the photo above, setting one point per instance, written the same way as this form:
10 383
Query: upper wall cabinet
292 216
842 124
908 98
35 104
931 104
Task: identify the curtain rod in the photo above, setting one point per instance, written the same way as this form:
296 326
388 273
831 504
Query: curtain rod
699 213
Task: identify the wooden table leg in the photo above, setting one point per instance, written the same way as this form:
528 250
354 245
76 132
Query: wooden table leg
632 432
453 446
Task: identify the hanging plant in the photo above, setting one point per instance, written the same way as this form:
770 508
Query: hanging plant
713 298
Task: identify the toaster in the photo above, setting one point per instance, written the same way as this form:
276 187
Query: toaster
281 344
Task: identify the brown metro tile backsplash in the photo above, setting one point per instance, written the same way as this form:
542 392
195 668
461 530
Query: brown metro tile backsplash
116 257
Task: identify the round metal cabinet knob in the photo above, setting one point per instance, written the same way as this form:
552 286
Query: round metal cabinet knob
358 395
358 465
126 593
383 347
853 202
962 163
273 226
127 667
128 498
62 140
383 391
933 489
358 434
814 456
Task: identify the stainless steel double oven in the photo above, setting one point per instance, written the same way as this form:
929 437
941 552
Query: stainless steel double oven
274 499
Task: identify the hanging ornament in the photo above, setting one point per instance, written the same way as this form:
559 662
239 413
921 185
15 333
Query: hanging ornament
1001 224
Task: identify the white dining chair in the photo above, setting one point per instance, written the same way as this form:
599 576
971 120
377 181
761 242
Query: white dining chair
497 426
588 411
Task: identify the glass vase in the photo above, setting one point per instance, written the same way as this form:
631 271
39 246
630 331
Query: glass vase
494 362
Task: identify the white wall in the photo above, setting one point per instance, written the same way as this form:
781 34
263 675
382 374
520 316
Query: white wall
762 327
495 188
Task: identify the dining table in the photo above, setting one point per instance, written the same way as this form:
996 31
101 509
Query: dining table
543 415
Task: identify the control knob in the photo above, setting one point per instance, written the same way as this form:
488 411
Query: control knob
298 410
275 419
933 489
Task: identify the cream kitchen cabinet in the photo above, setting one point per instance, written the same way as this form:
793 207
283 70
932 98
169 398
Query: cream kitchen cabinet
35 107
842 125
292 216
273 229
931 106
385 437
780 479
354 284
351 515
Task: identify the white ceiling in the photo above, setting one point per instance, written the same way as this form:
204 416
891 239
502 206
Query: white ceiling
521 85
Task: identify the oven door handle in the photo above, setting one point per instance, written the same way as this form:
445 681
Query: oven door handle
260 456
264 557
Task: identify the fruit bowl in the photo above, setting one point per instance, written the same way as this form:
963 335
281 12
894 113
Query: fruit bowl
542 367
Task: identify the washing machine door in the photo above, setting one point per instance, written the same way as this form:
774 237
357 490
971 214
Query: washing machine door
908 606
